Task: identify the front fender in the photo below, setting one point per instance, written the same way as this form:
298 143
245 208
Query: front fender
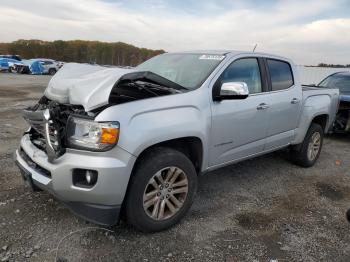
148 128
147 122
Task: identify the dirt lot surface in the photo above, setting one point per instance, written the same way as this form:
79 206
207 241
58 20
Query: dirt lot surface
264 209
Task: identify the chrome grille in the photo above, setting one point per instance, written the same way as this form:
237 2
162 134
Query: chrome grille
47 137
53 135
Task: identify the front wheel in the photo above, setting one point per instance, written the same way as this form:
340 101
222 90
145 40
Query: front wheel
309 150
161 190
52 71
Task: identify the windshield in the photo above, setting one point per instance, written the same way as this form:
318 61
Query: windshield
337 81
187 70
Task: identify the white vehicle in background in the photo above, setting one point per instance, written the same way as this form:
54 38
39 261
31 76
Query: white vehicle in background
60 64
50 66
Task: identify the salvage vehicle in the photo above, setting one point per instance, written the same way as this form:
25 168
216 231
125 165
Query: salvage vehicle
49 66
37 66
130 143
6 64
15 57
341 81
20 67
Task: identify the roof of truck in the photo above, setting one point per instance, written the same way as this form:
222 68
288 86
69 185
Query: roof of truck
229 52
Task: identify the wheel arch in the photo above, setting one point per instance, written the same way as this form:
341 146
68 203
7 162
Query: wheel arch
190 146
322 120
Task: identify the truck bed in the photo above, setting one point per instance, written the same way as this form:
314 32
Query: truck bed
328 96
315 88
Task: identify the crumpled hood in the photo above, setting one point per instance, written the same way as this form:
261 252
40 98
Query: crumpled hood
83 84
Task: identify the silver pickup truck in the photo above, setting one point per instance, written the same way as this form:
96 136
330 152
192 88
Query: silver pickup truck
130 143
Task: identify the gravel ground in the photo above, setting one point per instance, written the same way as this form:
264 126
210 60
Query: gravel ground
259 210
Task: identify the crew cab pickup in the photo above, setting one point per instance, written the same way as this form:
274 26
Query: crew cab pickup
114 142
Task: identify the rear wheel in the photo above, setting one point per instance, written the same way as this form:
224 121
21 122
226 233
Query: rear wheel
308 152
161 191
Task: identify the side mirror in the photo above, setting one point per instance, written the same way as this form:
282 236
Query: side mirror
234 90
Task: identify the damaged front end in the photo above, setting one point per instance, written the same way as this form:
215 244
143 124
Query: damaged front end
48 121
51 120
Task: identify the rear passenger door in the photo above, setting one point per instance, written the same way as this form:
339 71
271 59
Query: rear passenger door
284 102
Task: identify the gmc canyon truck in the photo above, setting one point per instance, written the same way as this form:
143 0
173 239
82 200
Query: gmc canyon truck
130 143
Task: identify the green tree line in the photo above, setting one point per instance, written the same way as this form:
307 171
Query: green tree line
332 65
117 53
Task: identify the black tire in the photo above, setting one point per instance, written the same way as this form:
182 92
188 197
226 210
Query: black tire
52 71
348 215
299 153
149 165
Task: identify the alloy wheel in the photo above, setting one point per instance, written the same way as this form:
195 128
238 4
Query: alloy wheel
314 146
165 193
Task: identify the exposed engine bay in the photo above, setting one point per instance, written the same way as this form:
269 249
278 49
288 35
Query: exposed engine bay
49 118
93 87
140 85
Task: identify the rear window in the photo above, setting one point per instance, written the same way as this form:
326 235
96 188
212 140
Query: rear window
281 74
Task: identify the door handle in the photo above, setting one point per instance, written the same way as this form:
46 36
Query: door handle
295 101
262 106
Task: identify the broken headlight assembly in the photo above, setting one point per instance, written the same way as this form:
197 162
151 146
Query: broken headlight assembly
95 136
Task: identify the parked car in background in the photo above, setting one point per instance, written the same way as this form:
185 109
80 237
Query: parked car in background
37 66
15 57
112 141
60 64
50 67
7 64
341 81
20 67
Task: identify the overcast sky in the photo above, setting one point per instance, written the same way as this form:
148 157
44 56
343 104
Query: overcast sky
309 32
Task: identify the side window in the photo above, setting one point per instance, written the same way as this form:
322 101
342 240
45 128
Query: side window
281 74
244 70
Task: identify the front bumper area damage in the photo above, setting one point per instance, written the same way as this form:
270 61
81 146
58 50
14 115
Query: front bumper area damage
38 181
100 204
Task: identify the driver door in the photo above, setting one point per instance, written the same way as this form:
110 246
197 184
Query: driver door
239 127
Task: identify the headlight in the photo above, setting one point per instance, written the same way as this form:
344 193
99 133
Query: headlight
88 134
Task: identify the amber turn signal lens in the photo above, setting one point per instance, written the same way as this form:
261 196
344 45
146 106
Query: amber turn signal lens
109 136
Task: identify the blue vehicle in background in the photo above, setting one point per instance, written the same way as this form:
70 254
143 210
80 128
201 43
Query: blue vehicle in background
7 64
38 66
340 81
15 57
44 66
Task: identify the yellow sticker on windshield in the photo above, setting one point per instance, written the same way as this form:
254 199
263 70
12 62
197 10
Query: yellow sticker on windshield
212 57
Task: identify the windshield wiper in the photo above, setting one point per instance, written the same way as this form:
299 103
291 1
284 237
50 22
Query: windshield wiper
157 87
152 78
138 85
